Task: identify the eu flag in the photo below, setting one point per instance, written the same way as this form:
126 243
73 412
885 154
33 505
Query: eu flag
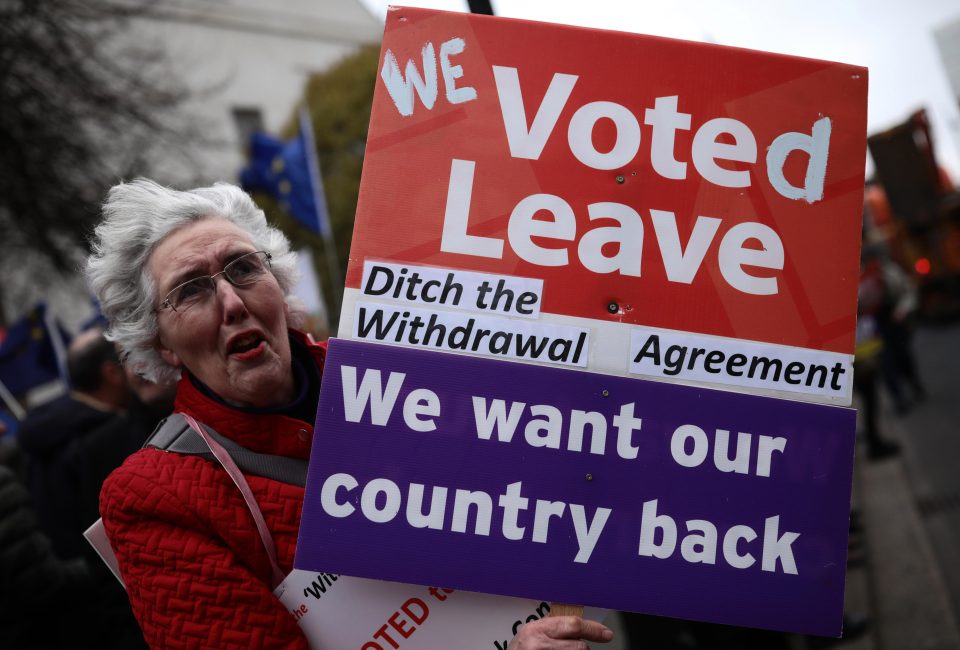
8 425
28 356
288 171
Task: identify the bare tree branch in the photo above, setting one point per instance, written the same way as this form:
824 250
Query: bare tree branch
80 107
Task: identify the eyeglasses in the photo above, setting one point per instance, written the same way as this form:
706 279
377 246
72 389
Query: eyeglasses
243 271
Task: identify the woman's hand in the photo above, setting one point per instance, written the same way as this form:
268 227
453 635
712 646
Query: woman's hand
560 633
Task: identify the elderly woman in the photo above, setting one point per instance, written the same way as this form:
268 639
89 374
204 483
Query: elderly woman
196 287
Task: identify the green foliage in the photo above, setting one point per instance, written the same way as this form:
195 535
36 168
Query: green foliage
80 106
339 102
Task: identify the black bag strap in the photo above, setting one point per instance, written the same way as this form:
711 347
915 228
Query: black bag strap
174 434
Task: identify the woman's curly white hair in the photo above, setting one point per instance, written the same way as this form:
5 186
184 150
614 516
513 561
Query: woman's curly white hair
137 216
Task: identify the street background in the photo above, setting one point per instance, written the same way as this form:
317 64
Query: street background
230 70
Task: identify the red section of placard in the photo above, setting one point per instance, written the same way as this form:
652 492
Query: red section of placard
409 158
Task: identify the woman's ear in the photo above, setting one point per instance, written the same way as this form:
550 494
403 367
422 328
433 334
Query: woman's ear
168 355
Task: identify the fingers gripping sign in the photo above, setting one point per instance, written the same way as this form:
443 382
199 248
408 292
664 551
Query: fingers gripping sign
560 633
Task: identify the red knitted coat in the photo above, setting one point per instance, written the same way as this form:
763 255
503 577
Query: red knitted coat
188 549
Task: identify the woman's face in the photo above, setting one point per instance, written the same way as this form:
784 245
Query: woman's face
236 341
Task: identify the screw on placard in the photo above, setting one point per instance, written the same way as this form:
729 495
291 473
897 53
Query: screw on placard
589 477
613 307
605 392
621 179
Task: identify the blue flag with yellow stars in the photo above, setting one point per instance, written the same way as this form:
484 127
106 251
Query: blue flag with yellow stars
28 355
283 170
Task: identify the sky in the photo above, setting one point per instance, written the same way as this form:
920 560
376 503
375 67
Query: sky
892 38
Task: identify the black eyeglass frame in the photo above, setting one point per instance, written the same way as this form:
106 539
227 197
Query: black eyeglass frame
167 303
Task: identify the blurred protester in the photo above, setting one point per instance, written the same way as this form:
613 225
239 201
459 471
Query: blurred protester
99 393
895 322
65 478
42 602
898 298
871 303
91 458
197 287
88 461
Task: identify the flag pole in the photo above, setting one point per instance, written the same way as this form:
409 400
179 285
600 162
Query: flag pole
320 204
59 349
11 402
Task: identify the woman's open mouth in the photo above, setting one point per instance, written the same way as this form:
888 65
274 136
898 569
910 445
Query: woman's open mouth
247 347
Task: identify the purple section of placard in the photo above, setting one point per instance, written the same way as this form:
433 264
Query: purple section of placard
808 488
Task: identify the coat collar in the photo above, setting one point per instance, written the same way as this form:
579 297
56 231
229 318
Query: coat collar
266 433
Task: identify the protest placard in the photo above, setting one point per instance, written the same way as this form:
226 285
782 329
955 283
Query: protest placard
581 211
649 187
575 487
337 612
